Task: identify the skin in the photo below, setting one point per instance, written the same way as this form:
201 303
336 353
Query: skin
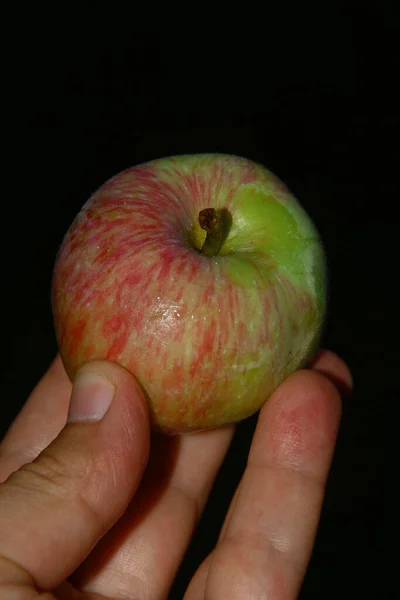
209 338
97 522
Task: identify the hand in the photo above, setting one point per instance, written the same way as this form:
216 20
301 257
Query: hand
91 502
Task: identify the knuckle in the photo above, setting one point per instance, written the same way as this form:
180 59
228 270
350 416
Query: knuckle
56 477
51 482
68 473
48 473
15 582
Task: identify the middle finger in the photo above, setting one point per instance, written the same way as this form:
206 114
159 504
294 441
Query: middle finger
144 550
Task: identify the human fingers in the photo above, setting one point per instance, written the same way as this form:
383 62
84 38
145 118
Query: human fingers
39 422
145 548
176 485
167 506
334 368
54 510
267 538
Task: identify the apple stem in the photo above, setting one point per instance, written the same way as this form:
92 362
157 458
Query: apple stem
217 223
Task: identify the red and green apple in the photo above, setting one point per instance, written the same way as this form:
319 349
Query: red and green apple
203 276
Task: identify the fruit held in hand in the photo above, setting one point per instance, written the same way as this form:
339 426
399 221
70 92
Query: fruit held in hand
201 275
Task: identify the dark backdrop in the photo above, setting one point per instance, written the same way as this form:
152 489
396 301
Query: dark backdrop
321 111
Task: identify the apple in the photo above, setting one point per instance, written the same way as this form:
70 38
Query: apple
201 275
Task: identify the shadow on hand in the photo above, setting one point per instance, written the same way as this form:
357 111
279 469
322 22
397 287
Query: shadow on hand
162 462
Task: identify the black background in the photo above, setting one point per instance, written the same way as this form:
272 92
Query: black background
315 103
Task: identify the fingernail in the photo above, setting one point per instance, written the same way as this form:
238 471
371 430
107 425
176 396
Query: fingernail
92 395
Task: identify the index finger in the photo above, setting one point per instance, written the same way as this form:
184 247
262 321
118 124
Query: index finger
267 538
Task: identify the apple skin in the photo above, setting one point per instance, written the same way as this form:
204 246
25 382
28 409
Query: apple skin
208 338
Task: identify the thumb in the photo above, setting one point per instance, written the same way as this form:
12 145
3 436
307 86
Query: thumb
55 509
